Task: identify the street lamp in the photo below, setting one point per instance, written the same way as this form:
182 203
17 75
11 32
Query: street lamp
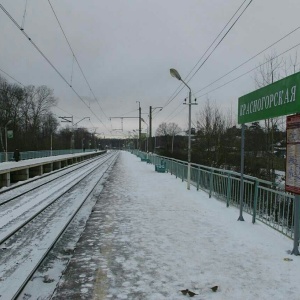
82 144
151 109
140 124
9 122
175 74
136 131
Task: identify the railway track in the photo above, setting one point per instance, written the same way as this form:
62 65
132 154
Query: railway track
32 222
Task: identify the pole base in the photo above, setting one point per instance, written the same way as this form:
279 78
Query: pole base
240 218
295 251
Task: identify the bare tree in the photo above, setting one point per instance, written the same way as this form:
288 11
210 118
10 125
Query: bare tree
270 70
161 130
35 109
168 131
210 128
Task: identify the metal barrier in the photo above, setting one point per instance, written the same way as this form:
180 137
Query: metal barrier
261 198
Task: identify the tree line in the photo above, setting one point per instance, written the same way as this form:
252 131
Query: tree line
217 143
26 111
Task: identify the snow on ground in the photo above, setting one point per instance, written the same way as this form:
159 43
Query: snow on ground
13 164
156 238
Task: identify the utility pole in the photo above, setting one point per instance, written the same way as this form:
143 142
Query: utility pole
140 124
70 120
151 109
150 130
140 127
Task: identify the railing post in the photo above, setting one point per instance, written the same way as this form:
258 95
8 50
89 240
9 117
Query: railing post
176 169
182 172
171 167
255 201
295 250
228 190
198 178
211 183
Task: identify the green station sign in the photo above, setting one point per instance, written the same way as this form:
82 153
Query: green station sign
10 134
277 99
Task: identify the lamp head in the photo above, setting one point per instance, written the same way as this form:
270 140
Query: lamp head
175 74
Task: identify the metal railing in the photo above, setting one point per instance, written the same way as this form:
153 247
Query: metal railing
38 154
261 198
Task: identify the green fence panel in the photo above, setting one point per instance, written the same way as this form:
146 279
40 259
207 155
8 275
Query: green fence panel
261 199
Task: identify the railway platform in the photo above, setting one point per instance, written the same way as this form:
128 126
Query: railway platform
12 172
148 237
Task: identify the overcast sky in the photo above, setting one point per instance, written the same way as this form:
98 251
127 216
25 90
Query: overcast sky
126 48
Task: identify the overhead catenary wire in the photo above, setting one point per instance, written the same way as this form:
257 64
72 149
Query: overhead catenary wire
34 45
72 70
17 81
24 16
74 56
62 110
50 63
135 110
23 85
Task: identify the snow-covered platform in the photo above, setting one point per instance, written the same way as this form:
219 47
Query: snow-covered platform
11 172
148 237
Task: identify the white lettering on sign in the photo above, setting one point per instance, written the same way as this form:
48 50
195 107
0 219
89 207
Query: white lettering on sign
269 101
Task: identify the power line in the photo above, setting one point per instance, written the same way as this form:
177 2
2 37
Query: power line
12 78
214 40
173 112
23 85
249 71
50 63
62 110
168 120
74 56
242 64
176 94
221 40
24 15
135 110
34 45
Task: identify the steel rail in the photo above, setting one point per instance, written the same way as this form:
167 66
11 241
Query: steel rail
32 217
77 166
61 232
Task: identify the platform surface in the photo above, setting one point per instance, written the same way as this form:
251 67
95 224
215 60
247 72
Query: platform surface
148 237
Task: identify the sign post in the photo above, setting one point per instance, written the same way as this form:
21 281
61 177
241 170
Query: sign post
241 218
